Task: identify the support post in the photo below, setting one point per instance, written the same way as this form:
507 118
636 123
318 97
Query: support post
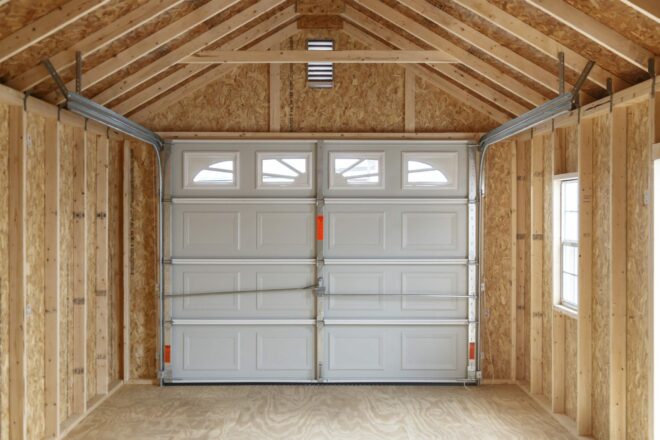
17 273
585 178
409 104
514 259
52 284
522 193
618 273
102 266
126 228
536 268
275 97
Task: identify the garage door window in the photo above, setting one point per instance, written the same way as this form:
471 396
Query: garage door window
210 170
290 170
350 170
430 170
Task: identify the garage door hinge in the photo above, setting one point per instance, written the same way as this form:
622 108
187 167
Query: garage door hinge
320 290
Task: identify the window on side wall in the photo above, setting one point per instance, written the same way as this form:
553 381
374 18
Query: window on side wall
566 240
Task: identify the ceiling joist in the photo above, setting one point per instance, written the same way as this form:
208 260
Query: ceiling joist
94 42
650 8
240 41
46 26
335 56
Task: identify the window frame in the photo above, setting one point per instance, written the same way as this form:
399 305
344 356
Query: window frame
410 155
188 177
307 155
361 155
559 244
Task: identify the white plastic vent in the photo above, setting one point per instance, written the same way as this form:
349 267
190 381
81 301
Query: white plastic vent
320 75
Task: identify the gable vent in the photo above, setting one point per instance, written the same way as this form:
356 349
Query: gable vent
320 75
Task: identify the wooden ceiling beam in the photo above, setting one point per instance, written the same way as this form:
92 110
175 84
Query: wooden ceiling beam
649 8
595 31
46 26
239 42
306 56
363 21
489 46
94 42
272 41
436 41
539 41
170 59
435 79
146 45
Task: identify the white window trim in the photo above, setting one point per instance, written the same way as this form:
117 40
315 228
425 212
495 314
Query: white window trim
378 155
565 308
284 155
407 155
188 182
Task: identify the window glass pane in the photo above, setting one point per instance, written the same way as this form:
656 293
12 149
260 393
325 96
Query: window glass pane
210 169
284 170
211 176
356 169
570 260
570 227
570 195
430 170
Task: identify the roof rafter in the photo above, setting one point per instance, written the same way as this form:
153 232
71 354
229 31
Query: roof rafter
46 26
473 62
539 41
240 41
365 22
94 42
146 45
475 38
214 74
207 38
650 8
595 31
436 80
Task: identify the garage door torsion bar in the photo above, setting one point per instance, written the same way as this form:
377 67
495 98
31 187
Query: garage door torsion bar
94 111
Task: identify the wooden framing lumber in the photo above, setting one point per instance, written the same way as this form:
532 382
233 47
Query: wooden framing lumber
52 281
522 196
415 28
539 41
46 26
261 135
79 388
93 42
409 100
434 79
188 71
274 97
489 46
536 267
650 8
595 31
207 38
618 273
584 342
306 56
209 76
146 45
558 372
127 260
17 166
514 259
102 269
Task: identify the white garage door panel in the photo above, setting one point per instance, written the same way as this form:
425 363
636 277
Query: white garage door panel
203 278
389 230
247 231
391 352
243 352
354 290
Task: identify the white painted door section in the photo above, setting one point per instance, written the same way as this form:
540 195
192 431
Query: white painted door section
321 261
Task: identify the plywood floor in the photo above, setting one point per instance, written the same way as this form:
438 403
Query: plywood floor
319 412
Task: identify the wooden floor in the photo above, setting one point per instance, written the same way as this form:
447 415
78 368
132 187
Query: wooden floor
319 412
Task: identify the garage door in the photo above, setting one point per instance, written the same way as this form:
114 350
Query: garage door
370 278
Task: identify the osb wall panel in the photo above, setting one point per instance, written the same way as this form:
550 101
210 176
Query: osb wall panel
90 227
436 111
35 256
115 262
237 101
4 269
600 287
546 295
638 248
570 385
496 312
566 139
66 270
144 300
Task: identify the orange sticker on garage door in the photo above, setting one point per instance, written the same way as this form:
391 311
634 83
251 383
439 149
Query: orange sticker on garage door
319 227
167 355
